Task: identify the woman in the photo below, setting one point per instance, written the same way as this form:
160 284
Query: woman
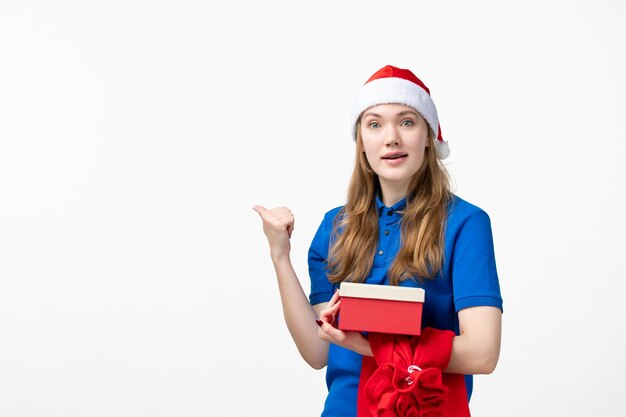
401 225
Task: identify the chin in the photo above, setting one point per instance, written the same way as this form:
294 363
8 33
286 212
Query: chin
397 176
392 180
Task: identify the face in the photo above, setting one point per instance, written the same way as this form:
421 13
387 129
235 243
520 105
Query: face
394 140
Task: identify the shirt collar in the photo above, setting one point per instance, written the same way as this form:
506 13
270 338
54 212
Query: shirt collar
380 206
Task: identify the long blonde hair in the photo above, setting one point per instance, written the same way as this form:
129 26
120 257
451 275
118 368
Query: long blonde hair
355 231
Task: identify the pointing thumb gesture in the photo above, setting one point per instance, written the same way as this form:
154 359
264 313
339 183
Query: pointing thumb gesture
278 226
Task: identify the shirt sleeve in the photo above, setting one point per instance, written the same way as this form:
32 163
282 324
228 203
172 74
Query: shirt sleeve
474 274
321 288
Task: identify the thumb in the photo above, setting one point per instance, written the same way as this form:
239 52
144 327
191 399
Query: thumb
259 209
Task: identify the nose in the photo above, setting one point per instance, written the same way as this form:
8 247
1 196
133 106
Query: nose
392 136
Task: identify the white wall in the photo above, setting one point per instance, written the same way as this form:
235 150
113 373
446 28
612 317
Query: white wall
135 137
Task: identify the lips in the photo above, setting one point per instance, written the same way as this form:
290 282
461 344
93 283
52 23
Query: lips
395 155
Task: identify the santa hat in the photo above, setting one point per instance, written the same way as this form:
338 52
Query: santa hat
399 86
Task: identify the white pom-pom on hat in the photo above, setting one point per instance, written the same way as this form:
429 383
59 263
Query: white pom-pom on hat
391 85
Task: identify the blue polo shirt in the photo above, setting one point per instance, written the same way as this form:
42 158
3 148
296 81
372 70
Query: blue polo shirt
468 278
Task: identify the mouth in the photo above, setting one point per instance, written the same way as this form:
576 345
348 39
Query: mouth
395 155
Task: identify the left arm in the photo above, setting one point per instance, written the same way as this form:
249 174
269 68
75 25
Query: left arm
477 348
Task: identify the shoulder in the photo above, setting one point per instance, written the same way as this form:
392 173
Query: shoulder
321 240
333 212
462 212
325 228
330 216
459 208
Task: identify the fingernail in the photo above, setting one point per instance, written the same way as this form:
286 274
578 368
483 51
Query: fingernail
319 322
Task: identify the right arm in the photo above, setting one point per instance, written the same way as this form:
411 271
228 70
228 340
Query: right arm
299 315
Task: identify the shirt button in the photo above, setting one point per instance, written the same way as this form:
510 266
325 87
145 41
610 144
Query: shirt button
380 252
386 232
390 213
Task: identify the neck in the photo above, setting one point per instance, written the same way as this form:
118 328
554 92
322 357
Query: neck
392 193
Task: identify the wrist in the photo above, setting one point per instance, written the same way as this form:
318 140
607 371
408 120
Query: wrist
365 348
279 258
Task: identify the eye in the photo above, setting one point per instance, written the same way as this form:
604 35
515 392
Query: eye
407 122
374 125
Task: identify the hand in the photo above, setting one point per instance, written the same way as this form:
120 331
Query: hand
350 340
278 227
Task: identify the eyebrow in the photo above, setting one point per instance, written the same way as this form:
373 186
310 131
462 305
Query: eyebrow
401 114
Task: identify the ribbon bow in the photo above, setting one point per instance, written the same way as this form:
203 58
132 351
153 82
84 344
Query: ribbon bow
408 378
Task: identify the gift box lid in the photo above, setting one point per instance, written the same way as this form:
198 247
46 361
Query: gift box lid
381 292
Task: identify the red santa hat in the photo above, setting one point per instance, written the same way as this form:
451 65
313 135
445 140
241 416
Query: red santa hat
399 86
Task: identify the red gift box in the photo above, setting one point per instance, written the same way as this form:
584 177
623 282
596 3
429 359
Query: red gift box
381 308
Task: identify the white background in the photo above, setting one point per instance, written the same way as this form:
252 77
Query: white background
136 136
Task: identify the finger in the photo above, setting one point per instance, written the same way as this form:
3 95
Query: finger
259 209
330 309
332 334
334 308
333 299
335 311
333 318
322 335
329 315
280 216
287 220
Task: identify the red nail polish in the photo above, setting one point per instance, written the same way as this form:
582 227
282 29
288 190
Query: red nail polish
319 322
